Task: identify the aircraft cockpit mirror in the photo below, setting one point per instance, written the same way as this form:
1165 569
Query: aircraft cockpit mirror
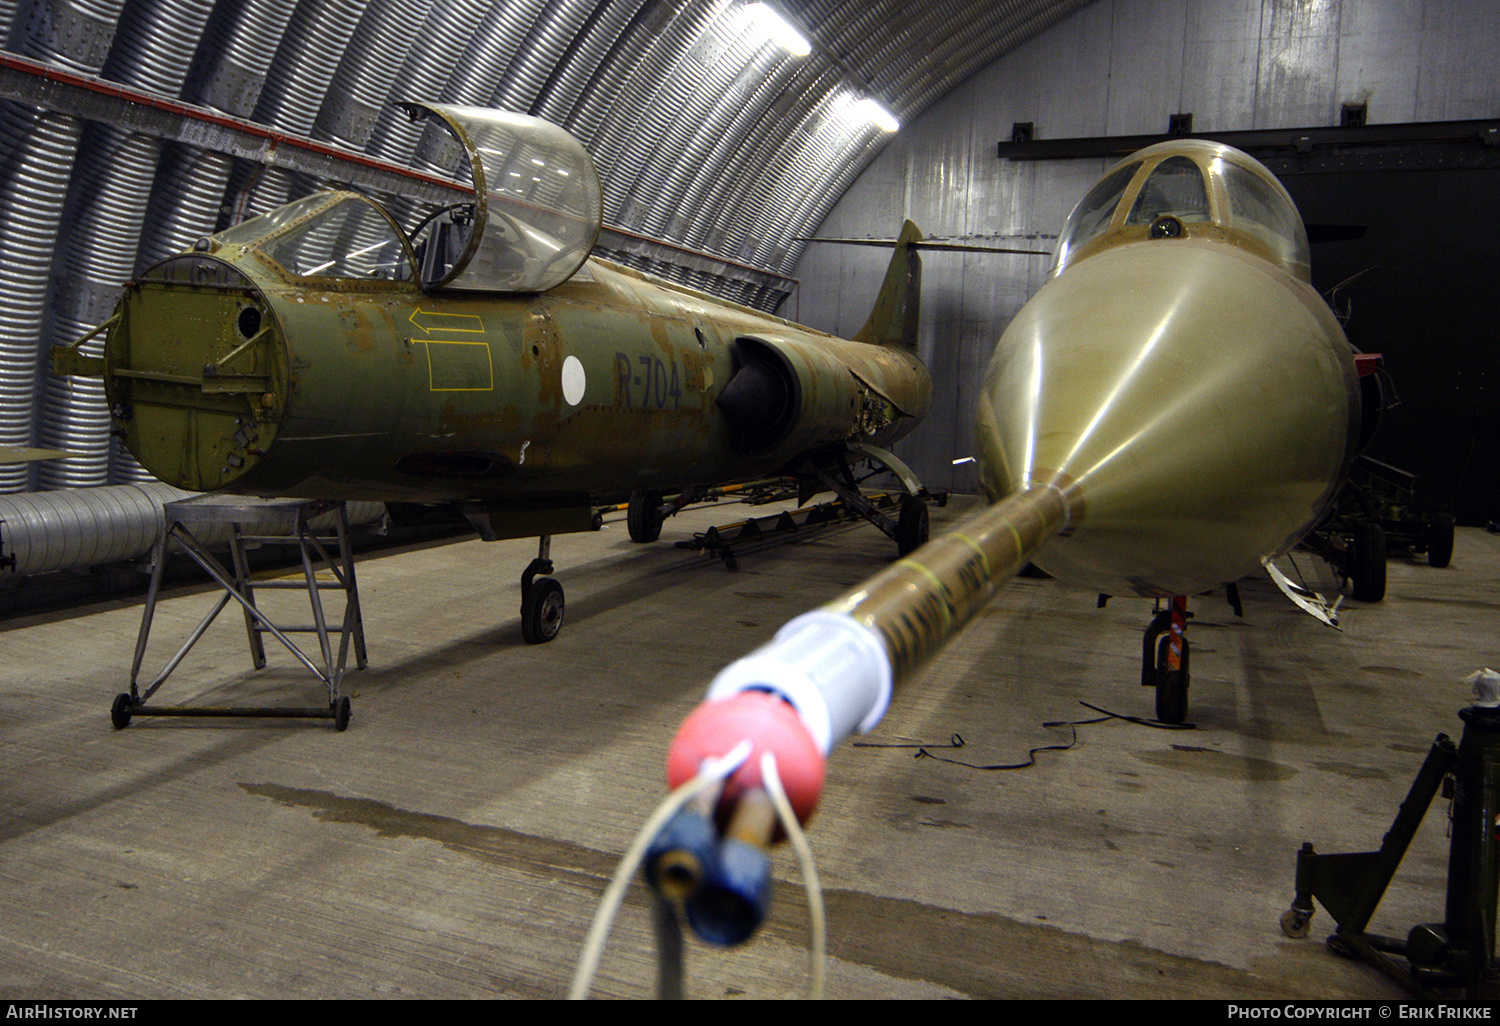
536 212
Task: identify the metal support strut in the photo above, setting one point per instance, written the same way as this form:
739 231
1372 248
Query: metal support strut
1458 953
249 522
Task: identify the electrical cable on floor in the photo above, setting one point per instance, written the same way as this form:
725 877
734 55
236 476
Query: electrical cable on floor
925 750
817 954
1144 721
713 773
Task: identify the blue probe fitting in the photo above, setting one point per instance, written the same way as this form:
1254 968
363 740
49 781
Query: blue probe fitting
735 895
682 855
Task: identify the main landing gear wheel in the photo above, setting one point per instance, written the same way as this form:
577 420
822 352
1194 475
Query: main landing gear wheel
341 711
1440 548
542 610
643 516
911 527
1171 685
1368 558
119 712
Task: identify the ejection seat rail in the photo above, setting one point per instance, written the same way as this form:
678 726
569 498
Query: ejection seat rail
249 522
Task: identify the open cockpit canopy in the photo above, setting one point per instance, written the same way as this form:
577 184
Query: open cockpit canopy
536 211
1189 188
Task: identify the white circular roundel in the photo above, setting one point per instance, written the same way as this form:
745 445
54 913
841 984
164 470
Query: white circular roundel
574 380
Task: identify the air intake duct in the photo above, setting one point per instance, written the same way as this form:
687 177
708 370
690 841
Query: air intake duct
762 398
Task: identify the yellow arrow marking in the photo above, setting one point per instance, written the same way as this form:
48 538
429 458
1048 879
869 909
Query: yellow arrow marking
431 321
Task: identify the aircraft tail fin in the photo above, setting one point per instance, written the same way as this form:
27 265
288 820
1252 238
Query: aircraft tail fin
897 313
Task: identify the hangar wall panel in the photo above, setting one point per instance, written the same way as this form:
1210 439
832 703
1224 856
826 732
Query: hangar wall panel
1115 67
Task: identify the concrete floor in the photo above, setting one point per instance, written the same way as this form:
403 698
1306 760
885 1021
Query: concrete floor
454 842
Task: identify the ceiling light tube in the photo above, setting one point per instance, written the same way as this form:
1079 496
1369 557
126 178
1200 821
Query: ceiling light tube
777 29
875 113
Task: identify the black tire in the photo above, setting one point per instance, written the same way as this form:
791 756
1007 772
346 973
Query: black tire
1368 558
542 611
1440 543
1171 685
119 712
1160 624
341 712
1296 924
643 516
911 526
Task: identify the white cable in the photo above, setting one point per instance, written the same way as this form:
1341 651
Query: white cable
817 954
714 771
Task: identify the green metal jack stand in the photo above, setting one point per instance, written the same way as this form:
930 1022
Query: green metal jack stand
1457 954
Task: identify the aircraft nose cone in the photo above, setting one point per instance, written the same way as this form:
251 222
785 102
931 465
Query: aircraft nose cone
1196 399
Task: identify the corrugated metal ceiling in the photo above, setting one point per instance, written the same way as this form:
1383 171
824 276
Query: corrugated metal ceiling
706 132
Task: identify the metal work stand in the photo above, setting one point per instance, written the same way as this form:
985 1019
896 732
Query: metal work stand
264 522
1458 953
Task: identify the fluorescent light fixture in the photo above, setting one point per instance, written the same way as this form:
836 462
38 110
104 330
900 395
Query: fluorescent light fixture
872 111
777 29
962 460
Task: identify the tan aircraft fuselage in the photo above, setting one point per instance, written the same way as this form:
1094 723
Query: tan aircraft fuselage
1191 393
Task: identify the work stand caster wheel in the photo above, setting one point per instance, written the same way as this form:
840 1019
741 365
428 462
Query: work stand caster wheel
1296 923
119 712
341 713
542 611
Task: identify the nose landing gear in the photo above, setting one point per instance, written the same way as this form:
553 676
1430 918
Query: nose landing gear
541 597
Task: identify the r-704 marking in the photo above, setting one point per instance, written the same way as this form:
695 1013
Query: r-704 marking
658 381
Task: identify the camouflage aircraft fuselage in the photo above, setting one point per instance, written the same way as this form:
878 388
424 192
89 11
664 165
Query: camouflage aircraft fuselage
225 371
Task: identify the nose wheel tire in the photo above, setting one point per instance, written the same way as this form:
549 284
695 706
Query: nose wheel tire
1171 685
542 611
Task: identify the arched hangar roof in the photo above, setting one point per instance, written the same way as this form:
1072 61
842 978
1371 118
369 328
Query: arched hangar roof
708 132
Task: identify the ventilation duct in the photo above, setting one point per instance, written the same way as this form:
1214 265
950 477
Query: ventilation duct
74 529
